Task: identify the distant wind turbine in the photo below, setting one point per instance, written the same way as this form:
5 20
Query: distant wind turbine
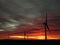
46 27
25 35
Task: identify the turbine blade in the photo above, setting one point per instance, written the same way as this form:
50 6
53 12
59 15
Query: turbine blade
48 28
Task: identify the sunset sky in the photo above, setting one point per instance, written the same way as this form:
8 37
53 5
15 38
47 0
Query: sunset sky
17 16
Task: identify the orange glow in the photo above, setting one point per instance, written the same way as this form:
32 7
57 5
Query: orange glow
49 38
41 37
32 37
18 37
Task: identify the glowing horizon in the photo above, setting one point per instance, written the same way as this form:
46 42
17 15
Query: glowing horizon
33 37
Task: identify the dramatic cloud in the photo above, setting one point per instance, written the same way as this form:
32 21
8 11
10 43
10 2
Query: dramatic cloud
29 12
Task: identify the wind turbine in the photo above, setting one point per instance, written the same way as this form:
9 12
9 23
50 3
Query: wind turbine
25 35
46 26
29 31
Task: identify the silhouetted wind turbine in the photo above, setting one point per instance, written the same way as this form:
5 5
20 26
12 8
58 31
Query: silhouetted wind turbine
25 35
26 32
46 26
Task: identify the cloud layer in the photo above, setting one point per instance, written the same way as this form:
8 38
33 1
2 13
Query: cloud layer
29 11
